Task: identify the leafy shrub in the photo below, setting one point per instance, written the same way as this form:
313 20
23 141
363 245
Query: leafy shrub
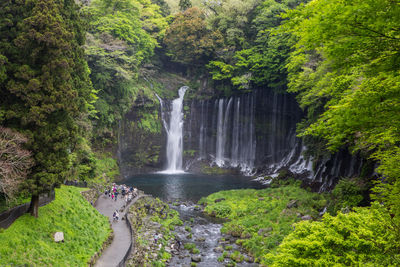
348 193
189 246
361 238
260 218
220 210
237 257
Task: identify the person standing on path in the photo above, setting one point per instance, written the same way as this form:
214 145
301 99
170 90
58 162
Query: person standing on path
116 215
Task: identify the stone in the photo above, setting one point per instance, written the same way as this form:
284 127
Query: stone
200 239
261 199
196 258
59 237
249 259
218 249
306 217
292 204
219 200
245 235
265 231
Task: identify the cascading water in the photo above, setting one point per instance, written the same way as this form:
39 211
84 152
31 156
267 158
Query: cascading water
256 132
174 133
230 130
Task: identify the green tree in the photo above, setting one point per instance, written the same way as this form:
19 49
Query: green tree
122 36
47 92
184 4
233 19
361 238
188 40
345 70
263 61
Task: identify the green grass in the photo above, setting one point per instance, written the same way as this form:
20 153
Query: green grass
260 218
29 240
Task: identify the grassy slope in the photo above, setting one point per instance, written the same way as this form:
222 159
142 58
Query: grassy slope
30 241
250 210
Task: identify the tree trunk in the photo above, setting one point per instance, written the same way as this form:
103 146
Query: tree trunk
34 207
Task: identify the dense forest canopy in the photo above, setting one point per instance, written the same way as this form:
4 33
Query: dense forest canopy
69 73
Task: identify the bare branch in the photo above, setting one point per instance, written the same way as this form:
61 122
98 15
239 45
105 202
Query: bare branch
15 162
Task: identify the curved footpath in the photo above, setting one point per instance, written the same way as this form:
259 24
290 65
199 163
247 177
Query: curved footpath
115 253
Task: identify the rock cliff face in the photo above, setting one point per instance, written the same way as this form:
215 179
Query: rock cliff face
141 141
255 133
252 133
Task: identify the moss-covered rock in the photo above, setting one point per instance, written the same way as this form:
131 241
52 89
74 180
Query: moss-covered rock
152 222
260 219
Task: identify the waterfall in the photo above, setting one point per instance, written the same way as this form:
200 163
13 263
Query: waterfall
226 131
235 135
219 160
174 132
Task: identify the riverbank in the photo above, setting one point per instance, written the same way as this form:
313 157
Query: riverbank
255 222
152 224
258 220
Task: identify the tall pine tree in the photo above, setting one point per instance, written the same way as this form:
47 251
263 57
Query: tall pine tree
46 89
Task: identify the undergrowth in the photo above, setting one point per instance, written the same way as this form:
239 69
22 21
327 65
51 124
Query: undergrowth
260 218
150 216
29 241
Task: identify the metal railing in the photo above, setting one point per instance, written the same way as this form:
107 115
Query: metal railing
9 216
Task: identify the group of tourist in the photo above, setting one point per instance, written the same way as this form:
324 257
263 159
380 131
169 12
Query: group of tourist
128 193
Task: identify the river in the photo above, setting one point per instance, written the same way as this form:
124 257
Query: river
184 190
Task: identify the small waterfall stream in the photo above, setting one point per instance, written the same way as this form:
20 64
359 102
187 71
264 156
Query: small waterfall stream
174 133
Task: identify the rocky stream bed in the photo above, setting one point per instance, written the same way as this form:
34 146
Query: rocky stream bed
185 237
203 242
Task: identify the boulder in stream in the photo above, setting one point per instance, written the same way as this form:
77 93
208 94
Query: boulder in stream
196 258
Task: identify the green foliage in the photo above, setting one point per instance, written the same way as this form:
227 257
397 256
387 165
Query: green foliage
47 93
192 248
233 20
122 36
145 211
260 218
236 256
261 52
348 193
189 246
106 170
184 4
6 204
361 238
188 40
29 241
345 70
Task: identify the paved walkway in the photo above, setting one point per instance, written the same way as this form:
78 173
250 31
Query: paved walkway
114 254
